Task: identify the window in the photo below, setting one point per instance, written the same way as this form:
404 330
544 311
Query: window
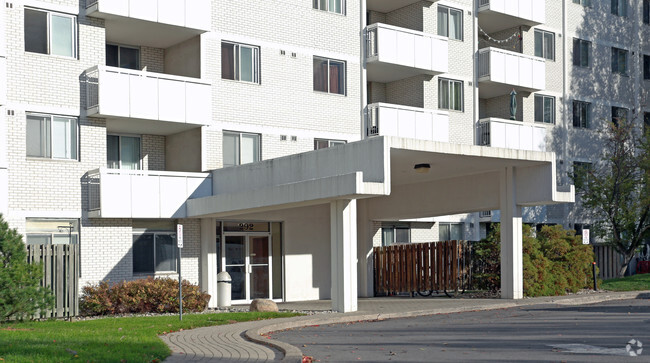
154 252
618 114
123 152
450 23
646 122
646 66
323 143
334 6
450 232
50 136
581 114
582 2
50 33
391 235
123 57
329 75
450 94
619 7
240 148
646 11
580 174
581 52
240 62
544 44
545 109
619 61
49 231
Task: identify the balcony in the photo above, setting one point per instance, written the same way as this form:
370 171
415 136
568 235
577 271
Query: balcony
510 134
499 71
383 119
115 193
394 53
497 15
147 102
153 23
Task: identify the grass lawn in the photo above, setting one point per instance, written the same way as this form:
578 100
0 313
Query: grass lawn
630 283
104 340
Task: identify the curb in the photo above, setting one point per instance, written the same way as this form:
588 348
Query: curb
294 354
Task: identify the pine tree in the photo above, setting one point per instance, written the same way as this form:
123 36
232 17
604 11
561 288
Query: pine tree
20 292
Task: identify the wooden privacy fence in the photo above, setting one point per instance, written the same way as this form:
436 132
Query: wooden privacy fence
435 266
608 260
60 275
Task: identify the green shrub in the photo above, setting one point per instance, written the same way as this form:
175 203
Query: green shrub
21 294
486 273
554 261
141 296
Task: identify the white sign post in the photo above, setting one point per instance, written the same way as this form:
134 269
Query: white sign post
585 236
179 243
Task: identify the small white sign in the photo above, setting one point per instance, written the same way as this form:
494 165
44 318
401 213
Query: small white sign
585 236
179 235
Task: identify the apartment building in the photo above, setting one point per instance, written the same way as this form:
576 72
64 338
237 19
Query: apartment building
290 137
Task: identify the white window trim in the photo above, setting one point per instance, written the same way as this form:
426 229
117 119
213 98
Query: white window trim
544 32
462 94
154 272
119 148
581 43
119 53
51 117
239 135
330 142
587 122
345 75
618 51
316 6
462 22
49 32
543 97
256 66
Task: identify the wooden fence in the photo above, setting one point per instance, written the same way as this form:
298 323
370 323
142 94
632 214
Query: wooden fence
608 260
435 266
60 275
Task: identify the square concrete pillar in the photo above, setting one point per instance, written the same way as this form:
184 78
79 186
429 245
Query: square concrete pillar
343 220
512 271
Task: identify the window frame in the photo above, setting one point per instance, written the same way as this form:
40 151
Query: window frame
48 25
617 9
645 11
615 113
582 118
330 143
119 55
317 5
543 104
461 225
447 104
329 75
544 52
258 156
61 231
581 45
48 144
255 67
139 233
448 11
119 150
393 229
646 67
585 3
616 58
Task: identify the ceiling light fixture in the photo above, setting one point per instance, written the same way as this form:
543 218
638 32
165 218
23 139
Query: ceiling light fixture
422 168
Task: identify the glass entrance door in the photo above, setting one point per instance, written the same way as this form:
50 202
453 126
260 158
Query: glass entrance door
248 263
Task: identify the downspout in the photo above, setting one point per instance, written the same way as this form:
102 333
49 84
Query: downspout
565 92
363 90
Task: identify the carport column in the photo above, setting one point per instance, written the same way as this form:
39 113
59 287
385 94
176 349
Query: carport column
343 219
512 283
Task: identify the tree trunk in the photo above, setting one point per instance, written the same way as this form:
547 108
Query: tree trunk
626 261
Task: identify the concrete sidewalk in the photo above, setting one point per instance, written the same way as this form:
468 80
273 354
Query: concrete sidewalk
247 342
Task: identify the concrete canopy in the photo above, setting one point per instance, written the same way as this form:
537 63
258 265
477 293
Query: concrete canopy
376 176
462 178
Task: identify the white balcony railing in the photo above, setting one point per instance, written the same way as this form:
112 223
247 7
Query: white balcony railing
509 68
193 14
391 45
115 193
511 134
384 119
496 15
118 92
